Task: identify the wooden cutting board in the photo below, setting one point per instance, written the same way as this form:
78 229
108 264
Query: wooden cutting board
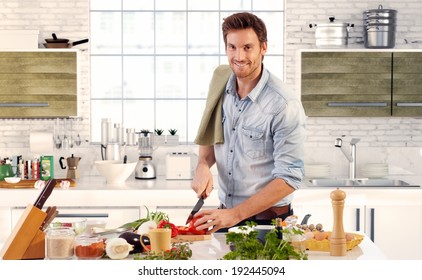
28 184
191 238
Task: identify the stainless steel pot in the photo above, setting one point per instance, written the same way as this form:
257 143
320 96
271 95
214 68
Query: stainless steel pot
379 13
331 34
379 28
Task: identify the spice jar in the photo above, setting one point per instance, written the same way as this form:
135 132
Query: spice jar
89 247
59 243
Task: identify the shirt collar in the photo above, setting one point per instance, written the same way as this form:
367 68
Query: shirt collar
253 95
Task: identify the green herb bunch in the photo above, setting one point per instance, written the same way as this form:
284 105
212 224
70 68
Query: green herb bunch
247 246
179 251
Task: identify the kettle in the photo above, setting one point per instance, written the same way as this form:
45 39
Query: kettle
72 166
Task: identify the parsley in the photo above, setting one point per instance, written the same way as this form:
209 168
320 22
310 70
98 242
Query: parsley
246 246
179 251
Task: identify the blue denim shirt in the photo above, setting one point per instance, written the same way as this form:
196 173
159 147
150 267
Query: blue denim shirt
264 134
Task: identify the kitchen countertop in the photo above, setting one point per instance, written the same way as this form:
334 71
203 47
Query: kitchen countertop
93 191
216 248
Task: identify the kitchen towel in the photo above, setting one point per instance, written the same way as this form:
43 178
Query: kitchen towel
210 130
41 142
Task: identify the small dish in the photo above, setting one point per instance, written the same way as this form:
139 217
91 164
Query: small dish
12 180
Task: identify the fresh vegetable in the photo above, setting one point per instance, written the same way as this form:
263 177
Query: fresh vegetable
246 246
180 251
135 240
151 216
167 224
118 248
146 227
191 229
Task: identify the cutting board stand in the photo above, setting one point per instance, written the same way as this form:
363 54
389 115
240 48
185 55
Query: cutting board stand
26 241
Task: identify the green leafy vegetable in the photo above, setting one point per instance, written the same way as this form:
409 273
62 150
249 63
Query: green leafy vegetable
246 246
180 251
151 216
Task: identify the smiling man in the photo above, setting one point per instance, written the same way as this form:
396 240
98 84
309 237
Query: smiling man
260 163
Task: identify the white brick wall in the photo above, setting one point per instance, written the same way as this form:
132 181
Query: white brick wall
70 19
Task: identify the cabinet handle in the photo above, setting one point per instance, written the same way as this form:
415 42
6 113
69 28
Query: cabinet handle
372 233
43 104
357 219
357 104
95 215
409 104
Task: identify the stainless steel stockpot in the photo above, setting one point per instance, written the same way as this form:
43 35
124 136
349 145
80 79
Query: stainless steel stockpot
332 33
379 28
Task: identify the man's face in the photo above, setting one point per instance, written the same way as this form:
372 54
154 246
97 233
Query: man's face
245 53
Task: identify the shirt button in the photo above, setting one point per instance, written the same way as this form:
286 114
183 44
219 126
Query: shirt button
233 129
230 173
231 151
229 195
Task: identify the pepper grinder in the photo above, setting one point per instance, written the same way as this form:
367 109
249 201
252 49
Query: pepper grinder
338 236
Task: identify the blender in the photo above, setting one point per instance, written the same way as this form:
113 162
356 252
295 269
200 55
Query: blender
145 168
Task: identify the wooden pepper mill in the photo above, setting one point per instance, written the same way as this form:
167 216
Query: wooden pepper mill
338 237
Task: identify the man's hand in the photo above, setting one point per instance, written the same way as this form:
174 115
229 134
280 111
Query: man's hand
215 219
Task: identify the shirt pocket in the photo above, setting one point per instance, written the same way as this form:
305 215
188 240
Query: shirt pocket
253 142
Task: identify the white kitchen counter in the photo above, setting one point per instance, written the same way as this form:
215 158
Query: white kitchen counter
216 248
93 191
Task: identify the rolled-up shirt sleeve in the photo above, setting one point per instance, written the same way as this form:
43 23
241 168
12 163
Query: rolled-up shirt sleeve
289 138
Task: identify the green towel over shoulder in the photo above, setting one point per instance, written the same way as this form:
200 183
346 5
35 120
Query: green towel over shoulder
210 130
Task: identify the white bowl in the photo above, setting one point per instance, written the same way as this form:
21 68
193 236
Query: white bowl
115 172
12 180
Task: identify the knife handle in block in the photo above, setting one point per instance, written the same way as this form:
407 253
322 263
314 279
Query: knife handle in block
23 233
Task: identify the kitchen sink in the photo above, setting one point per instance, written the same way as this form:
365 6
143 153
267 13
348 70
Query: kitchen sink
333 182
341 183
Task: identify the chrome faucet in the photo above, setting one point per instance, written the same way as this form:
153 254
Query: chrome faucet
350 155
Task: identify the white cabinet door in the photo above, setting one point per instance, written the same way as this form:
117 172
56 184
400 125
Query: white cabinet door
396 230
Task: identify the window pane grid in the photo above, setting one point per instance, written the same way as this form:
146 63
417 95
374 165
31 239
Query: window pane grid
167 55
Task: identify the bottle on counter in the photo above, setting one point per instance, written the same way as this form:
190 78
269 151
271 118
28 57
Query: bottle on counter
47 167
35 170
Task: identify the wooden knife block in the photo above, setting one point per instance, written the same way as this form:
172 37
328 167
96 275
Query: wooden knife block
26 241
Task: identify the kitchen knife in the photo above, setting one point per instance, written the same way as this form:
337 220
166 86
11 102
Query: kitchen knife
195 209
50 216
45 193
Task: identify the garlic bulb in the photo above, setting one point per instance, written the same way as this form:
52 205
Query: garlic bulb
118 248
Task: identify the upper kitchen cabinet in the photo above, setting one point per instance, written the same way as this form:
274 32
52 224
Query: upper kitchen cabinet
38 84
346 83
407 83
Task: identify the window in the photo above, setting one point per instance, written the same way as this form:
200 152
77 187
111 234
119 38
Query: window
152 60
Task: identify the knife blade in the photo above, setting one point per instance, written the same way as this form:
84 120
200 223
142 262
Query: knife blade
195 209
45 193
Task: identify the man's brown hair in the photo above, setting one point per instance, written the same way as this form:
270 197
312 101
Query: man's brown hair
244 20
